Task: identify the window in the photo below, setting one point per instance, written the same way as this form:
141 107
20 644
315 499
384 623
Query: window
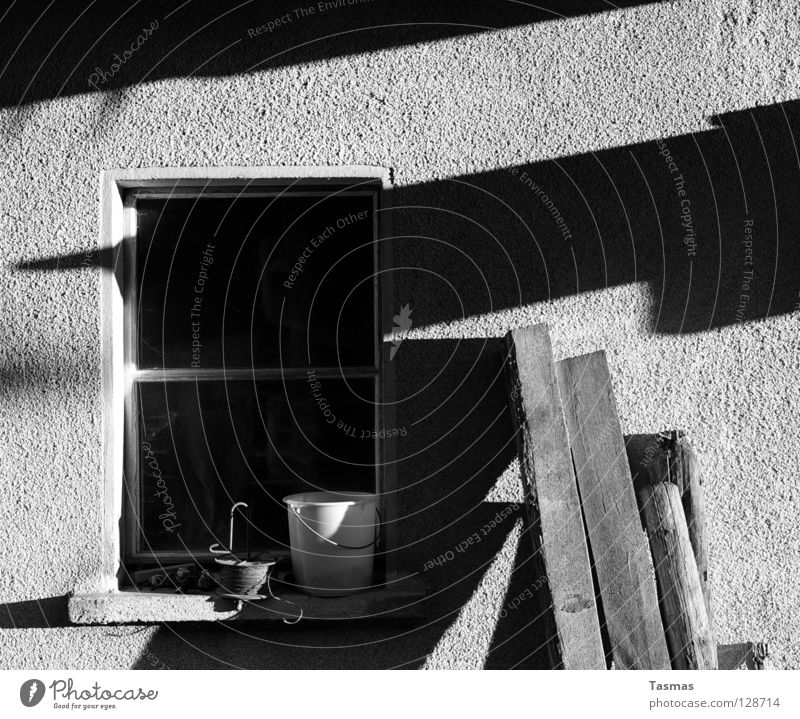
252 356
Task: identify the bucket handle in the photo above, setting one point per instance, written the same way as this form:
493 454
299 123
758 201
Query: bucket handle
374 542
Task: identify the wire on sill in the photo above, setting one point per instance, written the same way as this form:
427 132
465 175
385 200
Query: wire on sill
286 601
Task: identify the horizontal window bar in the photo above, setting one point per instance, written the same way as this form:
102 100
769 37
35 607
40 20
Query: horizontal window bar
208 193
167 375
148 558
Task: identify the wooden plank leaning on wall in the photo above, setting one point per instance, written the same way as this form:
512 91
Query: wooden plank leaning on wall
619 549
556 524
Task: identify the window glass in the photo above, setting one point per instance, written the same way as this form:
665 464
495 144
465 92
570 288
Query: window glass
207 444
255 281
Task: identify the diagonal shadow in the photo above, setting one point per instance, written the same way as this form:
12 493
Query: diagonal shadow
523 631
460 441
43 613
710 221
54 49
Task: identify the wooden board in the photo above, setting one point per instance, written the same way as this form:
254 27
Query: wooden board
553 503
619 547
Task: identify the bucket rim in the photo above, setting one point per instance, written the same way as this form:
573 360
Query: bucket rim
305 499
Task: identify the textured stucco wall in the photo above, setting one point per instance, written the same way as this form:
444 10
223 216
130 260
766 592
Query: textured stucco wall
456 107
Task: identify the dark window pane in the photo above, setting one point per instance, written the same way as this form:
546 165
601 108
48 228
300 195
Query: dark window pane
256 281
208 444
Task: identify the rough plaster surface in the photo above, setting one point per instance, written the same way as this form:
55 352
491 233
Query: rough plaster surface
447 108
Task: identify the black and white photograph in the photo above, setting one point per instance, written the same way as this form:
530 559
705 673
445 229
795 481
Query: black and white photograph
352 335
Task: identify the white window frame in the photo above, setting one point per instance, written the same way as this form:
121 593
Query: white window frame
117 229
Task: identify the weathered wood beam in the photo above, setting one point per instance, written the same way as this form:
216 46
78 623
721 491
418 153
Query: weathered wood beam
683 610
552 500
669 457
619 548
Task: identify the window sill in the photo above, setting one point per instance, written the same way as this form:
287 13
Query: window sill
401 600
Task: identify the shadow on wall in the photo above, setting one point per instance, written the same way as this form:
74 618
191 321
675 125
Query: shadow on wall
460 440
44 613
710 220
55 49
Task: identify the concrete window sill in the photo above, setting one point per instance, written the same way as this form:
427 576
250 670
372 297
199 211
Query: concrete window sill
400 600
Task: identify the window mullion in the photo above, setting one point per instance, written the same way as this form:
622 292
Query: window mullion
265 373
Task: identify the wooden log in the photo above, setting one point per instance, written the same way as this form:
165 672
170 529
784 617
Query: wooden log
683 610
695 510
556 525
622 558
669 457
